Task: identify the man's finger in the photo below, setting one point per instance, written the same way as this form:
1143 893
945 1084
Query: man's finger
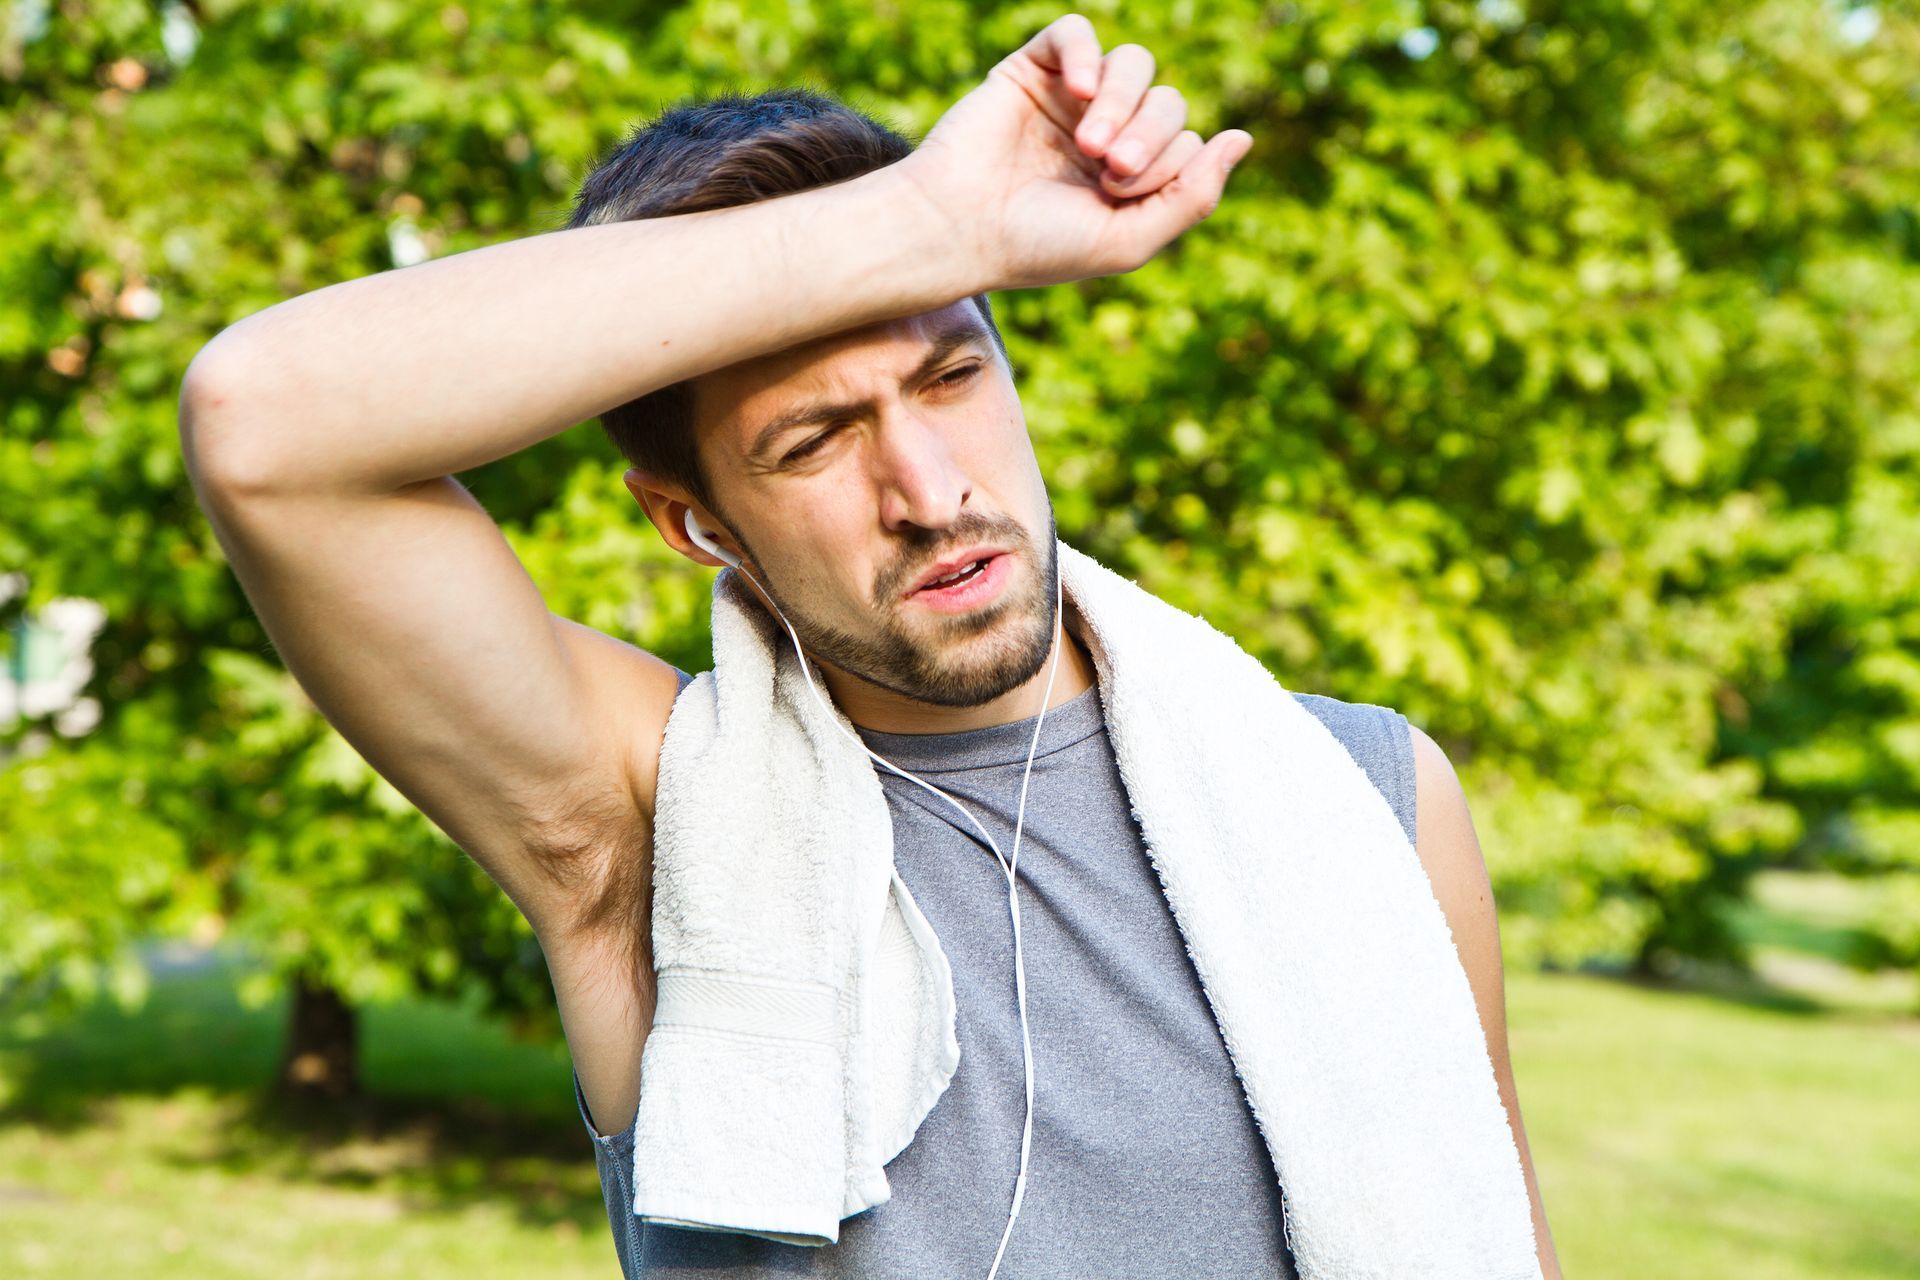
1169 162
1162 115
1068 47
1125 76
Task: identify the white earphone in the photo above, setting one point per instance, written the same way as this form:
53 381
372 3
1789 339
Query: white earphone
705 541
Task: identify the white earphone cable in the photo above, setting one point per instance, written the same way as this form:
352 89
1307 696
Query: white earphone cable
1010 866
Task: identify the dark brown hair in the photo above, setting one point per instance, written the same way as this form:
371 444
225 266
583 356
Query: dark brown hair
716 153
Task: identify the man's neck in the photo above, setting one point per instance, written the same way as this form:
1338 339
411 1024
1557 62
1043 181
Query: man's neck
884 711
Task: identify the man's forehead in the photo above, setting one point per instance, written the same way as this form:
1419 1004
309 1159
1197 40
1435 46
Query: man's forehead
852 362
847 352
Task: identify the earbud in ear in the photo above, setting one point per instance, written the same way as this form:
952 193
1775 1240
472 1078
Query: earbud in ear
704 540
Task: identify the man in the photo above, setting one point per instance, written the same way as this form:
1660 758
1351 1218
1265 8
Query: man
780 311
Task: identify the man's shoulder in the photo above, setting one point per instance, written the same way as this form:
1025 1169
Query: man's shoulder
1353 720
1379 739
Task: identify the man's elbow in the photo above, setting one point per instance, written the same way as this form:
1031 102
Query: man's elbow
220 438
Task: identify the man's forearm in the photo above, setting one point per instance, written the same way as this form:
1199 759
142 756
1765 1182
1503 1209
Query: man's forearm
402 376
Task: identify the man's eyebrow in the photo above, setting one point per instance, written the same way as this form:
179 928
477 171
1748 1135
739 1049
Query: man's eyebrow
945 342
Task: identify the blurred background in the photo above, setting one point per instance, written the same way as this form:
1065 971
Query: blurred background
1550 373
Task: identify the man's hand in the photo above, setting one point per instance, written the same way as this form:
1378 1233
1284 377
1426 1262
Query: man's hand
1064 164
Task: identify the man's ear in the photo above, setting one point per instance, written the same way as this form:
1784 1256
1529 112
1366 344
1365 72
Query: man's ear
667 505
643 483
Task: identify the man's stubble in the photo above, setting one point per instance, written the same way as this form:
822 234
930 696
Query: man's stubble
943 669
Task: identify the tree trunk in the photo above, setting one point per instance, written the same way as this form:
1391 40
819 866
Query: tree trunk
321 1060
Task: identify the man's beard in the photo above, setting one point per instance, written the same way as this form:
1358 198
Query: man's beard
942 669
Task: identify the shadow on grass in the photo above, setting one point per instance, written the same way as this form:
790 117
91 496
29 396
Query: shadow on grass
1759 924
433 1155
1719 981
454 1113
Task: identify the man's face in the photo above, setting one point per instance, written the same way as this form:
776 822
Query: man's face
852 469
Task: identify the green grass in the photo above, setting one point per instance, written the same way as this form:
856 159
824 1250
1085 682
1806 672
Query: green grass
1735 1128
1684 1134
134 1146
1755 1125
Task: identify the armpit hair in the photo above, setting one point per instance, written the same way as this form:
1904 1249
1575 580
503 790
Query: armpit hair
598 849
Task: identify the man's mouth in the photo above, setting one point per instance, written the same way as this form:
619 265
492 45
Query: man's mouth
971 582
969 560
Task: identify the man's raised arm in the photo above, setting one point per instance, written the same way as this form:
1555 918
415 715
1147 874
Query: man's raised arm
321 435
373 384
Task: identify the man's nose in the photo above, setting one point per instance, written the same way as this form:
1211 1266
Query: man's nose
921 483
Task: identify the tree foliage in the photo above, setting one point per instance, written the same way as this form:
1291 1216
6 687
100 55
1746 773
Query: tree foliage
1548 374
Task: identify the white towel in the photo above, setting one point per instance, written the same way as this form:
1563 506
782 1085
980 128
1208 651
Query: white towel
805 1021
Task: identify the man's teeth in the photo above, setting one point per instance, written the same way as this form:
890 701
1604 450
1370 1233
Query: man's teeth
961 572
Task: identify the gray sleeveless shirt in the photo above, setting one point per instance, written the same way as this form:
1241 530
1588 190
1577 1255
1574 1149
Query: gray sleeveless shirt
1145 1158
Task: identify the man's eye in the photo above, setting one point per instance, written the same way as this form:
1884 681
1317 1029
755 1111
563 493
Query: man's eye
810 446
953 378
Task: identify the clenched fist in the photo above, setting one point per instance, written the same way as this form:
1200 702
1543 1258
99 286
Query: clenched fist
1064 164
